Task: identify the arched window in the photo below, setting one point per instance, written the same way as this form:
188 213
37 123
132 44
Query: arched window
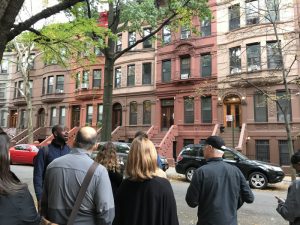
147 112
133 113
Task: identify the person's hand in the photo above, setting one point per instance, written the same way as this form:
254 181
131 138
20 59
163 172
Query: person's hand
280 200
44 221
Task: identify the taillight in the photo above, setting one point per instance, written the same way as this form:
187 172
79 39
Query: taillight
179 158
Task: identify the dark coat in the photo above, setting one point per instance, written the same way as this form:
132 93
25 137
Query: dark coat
150 202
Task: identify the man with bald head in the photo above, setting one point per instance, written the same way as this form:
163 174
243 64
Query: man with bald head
63 179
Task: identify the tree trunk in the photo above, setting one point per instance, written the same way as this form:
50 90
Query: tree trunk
29 109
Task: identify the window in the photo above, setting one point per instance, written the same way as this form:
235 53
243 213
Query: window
118 77
20 89
50 85
2 90
131 38
253 57
272 12
147 73
119 43
31 61
62 116
262 150
285 103
89 115
133 113
273 55
23 120
206 65
206 109
188 110
4 66
147 43
235 60
252 12
99 115
78 80
283 152
131 75
60 79
2 118
166 35
97 51
166 71
53 117
234 17
205 28
188 142
30 87
260 108
85 79
44 85
184 67
185 32
147 112
97 79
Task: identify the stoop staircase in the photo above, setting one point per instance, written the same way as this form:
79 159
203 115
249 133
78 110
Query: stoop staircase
227 136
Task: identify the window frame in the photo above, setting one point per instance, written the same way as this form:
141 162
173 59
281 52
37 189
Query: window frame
147 75
185 68
131 38
273 55
118 75
253 16
96 83
131 75
146 112
234 13
235 61
49 85
166 35
206 109
166 72
133 113
260 110
59 85
206 65
189 110
147 43
280 116
264 155
253 57
89 114
205 28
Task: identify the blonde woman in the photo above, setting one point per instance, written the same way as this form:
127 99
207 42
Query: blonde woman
144 197
107 157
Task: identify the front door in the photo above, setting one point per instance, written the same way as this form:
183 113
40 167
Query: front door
75 116
41 118
167 113
116 116
13 118
232 111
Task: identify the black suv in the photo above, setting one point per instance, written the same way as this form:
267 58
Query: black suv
258 173
122 149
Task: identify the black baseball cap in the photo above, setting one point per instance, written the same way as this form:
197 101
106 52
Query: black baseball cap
215 141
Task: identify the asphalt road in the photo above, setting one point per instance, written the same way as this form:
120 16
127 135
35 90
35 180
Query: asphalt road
261 212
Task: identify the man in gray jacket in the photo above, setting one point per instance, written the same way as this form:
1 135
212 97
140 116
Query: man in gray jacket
63 179
290 208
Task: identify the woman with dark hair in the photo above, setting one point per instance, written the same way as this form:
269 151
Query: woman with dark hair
16 203
107 157
144 197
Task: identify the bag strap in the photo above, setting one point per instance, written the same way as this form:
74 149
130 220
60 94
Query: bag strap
81 194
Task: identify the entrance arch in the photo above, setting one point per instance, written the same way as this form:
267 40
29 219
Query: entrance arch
116 115
232 109
41 118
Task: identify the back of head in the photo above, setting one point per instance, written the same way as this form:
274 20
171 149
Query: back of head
8 184
56 128
107 156
142 159
85 138
140 133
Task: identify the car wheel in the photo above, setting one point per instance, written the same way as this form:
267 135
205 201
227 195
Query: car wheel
258 180
189 173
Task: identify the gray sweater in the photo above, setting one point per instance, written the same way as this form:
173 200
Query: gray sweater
62 183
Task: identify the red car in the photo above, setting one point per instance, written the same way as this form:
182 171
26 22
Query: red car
23 154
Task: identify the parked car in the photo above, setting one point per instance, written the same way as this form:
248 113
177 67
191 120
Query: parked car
23 154
122 152
258 173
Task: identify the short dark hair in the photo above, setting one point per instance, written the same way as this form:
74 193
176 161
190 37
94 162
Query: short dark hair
56 128
295 159
141 133
82 140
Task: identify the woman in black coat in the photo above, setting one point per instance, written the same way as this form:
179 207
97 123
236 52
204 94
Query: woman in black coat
16 203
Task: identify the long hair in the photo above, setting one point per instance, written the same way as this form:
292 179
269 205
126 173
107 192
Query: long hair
8 183
107 156
142 159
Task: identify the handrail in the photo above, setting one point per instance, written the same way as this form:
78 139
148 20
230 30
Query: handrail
173 127
25 139
20 136
115 130
216 129
242 137
150 132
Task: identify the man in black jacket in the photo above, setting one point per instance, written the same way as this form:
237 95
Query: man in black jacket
46 155
217 188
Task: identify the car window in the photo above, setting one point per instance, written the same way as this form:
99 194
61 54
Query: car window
228 155
123 148
20 147
199 151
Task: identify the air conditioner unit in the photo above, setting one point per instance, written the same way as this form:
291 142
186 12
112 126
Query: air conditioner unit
84 86
253 68
235 70
184 76
59 91
185 35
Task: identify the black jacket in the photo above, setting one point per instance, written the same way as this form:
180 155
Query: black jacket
218 189
18 208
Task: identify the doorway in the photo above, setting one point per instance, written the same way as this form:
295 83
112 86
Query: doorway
41 118
167 114
75 116
13 118
116 116
232 111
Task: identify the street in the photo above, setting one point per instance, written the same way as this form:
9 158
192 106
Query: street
261 212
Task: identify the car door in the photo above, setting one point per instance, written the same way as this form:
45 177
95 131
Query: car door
19 155
231 158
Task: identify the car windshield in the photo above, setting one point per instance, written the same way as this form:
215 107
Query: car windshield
239 154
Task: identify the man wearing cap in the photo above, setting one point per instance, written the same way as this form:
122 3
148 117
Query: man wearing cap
217 188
